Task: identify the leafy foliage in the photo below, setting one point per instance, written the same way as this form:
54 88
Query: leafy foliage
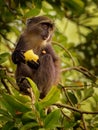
73 104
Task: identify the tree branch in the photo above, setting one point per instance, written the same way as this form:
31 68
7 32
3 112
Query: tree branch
6 86
82 70
84 124
74 109
66 94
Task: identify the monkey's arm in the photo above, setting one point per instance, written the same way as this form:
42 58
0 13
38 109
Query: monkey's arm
32 59
19 57
56 61
49 50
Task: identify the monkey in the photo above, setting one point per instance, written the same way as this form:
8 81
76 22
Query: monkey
45 72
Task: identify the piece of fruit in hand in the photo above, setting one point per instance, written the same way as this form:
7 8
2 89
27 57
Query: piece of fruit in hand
30 55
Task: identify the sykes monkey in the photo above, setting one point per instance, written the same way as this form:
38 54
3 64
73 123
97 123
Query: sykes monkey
45 71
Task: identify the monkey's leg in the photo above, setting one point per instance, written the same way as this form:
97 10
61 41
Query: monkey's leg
45 74
24 85
25 88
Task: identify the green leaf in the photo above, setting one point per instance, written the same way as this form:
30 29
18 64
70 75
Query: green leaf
52 97
95 119
80 3
4 104
4 112
34 88
28 116
2 73
3 57
15 104
53 119
38 4
32 12
5 118
88 92
8 126
24 99
68 124
28 126
41 129
79 94
72 97
75 5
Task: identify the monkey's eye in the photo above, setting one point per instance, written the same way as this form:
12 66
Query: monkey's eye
45 25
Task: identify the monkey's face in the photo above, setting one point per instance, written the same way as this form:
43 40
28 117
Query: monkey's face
40 27
46 30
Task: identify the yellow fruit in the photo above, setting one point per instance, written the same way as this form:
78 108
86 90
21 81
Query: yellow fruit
30 55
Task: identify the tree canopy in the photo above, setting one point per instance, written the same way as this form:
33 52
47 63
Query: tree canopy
74 101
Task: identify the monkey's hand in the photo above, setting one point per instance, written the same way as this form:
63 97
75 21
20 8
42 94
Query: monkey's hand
33 64
32 59
18 57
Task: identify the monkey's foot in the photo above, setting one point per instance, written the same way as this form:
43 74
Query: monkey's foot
24 85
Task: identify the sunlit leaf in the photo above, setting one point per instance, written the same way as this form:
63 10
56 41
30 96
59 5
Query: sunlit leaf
29 126
34 88
28 116
2 73
6 106
88 92
3 57
32 12
15 104
78 95
75 5
52 97
53 119
4 112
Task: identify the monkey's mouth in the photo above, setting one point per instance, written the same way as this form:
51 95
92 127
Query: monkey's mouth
46 37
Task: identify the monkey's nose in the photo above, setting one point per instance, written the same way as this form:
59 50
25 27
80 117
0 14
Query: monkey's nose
45 36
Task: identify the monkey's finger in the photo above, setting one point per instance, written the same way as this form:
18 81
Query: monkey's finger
33 65
18 57
21 57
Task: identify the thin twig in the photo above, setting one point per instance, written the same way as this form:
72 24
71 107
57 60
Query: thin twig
75 109
65 115
6 86
6 38
32 96
75 87
8 76
12 83
78 31
82 70
64 89
56 43
84 124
